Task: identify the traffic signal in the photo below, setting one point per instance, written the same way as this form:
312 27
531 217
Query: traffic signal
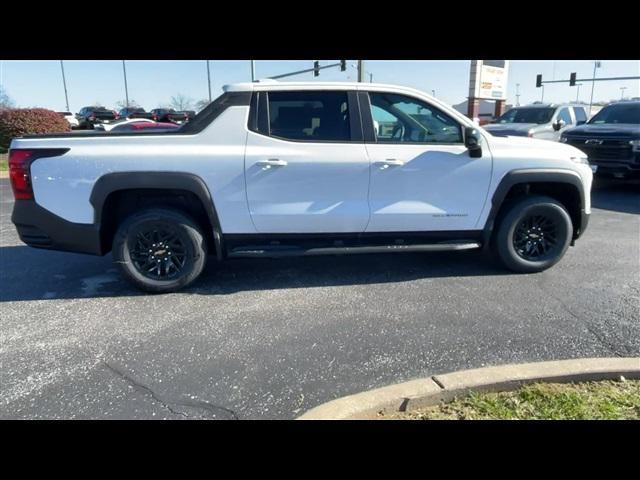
572 80
538 81
343 65
316 68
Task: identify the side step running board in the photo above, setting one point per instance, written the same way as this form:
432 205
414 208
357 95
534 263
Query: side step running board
279 251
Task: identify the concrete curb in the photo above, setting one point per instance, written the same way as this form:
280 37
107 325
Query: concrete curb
432 390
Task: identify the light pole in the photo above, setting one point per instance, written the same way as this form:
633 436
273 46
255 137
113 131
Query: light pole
517 94
64 84
542 99
578 92
596 64
209 80
433 92
370 77
126 89
253 70
622 89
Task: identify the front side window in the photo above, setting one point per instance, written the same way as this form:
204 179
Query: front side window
564 115
309 116
398 118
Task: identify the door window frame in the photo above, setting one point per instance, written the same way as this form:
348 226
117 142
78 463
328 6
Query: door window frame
259 123
368 126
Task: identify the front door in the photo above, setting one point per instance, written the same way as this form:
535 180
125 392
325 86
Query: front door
306 166
422 177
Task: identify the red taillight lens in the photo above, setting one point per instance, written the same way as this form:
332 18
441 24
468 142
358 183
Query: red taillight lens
19 162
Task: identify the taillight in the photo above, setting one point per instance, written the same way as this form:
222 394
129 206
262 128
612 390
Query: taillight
155 118
19 162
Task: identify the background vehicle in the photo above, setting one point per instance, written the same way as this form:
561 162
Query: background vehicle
122 121
146 126
168 115
88 117
543 121
189 114
70 117
611 139
135 112
279 169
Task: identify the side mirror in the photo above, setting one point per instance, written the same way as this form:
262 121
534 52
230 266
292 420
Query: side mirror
472 142
558 124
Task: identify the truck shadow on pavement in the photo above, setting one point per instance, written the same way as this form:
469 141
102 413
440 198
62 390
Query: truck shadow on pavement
31 274
616 195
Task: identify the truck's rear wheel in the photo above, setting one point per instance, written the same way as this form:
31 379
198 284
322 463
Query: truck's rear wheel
160 250
534 234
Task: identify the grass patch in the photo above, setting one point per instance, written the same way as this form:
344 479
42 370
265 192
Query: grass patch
607 400
4 162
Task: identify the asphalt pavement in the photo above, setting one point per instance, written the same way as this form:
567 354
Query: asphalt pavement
267 339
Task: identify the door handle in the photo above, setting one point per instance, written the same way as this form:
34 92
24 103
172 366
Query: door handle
272 162
389 162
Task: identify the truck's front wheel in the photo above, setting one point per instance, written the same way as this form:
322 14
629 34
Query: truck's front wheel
534 234
160 250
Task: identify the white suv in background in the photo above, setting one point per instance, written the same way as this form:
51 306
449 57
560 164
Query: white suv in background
545 121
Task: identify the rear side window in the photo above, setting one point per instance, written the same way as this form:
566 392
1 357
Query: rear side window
309 116
581 115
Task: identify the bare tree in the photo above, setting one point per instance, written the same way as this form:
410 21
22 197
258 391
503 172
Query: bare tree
181 102
202 104
5 100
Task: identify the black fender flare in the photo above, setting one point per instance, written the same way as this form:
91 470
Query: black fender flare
533 175
113 182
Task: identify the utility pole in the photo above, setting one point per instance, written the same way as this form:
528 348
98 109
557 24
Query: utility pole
209 80
253 70
370 77
64 84
517 94
360 70
433 92
596 64
622 89
126 89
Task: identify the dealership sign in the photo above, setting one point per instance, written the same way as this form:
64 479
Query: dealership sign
488 79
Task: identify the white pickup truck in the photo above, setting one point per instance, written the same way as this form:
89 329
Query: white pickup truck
274 169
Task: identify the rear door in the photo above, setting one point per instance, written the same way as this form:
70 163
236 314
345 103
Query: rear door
306 166
422 177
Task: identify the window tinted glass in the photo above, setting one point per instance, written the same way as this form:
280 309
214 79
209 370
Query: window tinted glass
397 118
527 115
565 115
311 116
581 115
619 113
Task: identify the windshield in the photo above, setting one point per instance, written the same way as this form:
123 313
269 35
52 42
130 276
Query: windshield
619 113
527 115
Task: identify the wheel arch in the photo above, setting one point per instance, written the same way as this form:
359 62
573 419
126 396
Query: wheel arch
563 185
112 186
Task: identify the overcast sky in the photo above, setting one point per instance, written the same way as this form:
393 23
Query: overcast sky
153 83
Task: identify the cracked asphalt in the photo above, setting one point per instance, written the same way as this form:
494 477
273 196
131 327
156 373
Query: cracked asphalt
269 339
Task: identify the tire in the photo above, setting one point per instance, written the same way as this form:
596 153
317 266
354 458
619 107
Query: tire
520 240
143 246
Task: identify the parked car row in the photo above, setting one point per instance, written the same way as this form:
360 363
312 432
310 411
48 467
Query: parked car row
89 117
611 138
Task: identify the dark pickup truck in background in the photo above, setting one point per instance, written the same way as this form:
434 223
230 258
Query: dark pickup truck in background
168 115
135 112
611 139
90 116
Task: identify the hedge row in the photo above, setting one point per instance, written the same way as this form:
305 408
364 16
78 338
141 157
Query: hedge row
16 122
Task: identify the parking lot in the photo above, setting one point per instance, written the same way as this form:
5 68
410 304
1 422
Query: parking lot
272 338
